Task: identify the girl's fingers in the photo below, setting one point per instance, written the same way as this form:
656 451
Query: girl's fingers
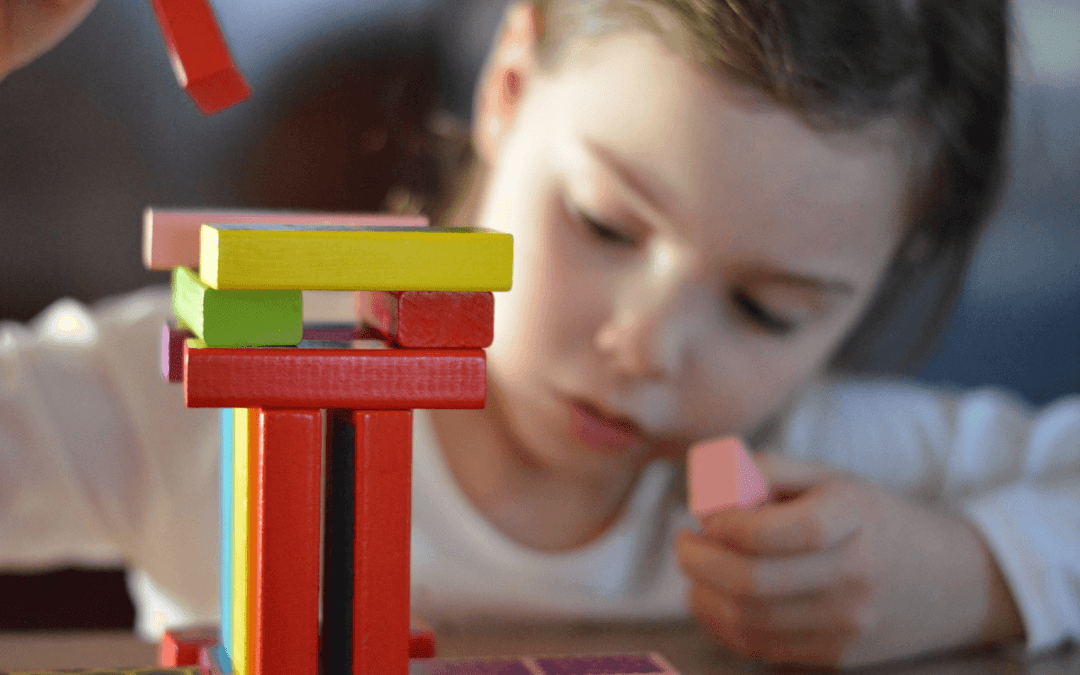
822 516
714 565
808 631
845 612
789 474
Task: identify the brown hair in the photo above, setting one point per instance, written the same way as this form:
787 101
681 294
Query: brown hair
938 67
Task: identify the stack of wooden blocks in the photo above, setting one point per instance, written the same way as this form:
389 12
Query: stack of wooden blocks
288 400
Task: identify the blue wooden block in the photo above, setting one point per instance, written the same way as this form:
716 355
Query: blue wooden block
226 524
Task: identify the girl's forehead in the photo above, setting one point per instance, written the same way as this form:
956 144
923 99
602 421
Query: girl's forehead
716 156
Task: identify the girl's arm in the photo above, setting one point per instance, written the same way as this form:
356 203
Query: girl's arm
901 521
100 462
1010 471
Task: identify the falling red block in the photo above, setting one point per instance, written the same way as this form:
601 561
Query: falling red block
720 474
199 55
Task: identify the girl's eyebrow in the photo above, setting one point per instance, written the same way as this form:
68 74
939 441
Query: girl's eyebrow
651 191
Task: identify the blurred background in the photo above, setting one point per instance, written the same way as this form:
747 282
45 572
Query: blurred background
343 91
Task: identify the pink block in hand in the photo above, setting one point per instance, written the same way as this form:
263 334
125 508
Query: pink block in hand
171 238
720 474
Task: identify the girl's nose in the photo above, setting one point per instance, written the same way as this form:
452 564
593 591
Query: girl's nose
648 331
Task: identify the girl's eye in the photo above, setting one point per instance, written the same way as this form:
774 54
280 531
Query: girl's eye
760 316
605 233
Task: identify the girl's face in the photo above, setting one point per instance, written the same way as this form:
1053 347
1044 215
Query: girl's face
686 256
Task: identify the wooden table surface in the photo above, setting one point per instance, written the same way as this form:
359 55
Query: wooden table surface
679 643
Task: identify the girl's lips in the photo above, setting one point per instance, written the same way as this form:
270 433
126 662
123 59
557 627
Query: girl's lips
603 432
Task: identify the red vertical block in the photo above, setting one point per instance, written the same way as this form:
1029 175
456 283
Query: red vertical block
288 480
381 542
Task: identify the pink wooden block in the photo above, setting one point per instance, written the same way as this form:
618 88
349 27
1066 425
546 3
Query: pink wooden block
172 352
720 474
171 237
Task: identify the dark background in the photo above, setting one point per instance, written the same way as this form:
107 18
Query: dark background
98 129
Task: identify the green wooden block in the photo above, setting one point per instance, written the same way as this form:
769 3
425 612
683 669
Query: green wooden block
237 318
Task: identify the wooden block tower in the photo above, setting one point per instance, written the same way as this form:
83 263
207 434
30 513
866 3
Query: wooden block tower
289 402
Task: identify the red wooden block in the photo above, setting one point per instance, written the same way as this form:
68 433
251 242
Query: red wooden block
199 54
421 642
180 646
356 379
435 319
381 544
288 482
172 352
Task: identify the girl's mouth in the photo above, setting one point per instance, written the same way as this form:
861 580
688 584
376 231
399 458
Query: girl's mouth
601 431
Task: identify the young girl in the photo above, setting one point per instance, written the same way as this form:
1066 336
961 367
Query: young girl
712 204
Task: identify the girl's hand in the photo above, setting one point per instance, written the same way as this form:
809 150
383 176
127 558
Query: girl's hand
29 28
835 571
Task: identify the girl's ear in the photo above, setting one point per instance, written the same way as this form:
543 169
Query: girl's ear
506 73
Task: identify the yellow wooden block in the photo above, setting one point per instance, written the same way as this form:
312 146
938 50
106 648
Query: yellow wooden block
332 258
241 651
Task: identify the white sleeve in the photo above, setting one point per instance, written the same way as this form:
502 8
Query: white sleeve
1013 471
1031 521
100 462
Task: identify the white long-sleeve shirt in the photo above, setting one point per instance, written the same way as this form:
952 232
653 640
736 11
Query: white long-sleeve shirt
100 462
